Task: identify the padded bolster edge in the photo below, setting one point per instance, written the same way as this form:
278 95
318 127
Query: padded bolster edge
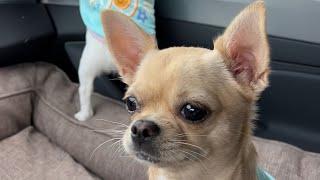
57 101
16 84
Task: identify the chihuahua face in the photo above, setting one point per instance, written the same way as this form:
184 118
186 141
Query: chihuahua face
190 105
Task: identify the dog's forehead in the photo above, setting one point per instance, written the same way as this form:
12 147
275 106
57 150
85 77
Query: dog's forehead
177 68
172 62
168 65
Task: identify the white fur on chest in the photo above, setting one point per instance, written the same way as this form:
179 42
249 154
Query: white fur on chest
161 177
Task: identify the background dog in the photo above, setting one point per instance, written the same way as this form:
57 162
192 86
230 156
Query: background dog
192 108
96 58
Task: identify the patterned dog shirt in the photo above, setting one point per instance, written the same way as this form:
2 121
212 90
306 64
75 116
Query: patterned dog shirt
140 11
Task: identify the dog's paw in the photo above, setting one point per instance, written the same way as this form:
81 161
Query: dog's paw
83 115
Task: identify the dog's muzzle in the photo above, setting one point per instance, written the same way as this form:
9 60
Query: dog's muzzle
143 135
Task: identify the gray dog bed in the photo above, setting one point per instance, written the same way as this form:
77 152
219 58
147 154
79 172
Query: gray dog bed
40 139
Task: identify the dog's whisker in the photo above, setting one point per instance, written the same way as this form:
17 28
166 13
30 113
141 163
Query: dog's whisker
112 149
171 153
200 160
114 135
125 156
113 122
105 142
109 131
173 156
119 147
199 154
115 79
188 144
186 155
178 140
119 151
121 128
186 135
113 144
116 146
123 153
176 160
197 159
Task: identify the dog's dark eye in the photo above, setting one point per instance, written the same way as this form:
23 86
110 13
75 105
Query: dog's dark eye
193 113
132 104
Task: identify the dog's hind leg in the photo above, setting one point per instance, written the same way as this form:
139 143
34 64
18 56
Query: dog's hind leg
94 61
85 90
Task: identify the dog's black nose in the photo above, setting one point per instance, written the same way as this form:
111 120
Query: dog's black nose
143 130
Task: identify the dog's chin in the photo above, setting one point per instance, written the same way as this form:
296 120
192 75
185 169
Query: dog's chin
150 159
157 159
147 158
141 155
160 161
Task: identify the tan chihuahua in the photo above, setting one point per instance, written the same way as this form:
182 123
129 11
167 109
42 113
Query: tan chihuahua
192 108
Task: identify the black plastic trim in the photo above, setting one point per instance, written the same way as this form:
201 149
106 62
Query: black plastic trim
26 32
68 22
181 33
290 109
18 1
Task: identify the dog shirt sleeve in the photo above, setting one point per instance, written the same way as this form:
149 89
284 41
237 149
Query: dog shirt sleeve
140 11
263 175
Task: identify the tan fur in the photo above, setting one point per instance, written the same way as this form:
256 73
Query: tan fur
163 80
122 37
255 11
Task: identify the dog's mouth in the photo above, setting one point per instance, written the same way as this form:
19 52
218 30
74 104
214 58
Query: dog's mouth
145 153
178 160
162 154
160 151
147 157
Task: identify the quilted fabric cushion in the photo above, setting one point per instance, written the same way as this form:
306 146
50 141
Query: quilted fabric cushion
29 155
41 95
287 162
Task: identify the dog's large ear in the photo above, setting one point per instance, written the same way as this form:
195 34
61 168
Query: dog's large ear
127 42
245 48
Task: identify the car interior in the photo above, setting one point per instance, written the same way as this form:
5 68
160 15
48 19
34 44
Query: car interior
52 31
